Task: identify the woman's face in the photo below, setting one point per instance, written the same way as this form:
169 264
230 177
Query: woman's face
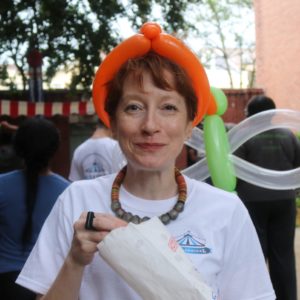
151 124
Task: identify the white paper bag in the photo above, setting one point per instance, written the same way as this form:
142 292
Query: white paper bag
152 263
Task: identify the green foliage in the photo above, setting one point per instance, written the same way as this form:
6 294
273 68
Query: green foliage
3 74
4 78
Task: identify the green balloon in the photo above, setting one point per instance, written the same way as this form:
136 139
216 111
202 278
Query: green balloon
221 100
217 150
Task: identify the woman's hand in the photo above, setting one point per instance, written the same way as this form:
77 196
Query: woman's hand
84 244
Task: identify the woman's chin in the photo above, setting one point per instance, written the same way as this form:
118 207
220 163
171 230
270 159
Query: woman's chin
150 165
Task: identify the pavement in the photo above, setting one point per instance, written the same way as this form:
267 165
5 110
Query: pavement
297 251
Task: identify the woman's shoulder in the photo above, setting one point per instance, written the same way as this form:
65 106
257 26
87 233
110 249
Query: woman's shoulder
197 186
212 196
86 194
12 175
99 183
57 178
211 201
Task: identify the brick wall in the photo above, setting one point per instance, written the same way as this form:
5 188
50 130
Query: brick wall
278 50
237 100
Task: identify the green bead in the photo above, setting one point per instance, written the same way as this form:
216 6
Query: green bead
115 205
165 218
127 216
135 219
120 212
173 214
179 206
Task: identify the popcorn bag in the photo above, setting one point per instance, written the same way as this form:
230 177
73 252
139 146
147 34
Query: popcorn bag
152 263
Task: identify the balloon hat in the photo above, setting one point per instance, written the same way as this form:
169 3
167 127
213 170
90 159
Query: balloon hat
151 38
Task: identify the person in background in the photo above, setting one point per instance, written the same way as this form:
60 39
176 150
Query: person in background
9 161
192 156
26 198
96 156
273 212
151 105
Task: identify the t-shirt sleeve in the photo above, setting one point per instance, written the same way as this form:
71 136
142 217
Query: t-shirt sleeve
244 275
49 252
75 169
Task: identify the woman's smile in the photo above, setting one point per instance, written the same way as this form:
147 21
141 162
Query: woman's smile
151 147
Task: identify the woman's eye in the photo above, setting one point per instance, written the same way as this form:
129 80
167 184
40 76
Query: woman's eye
170 107
132 108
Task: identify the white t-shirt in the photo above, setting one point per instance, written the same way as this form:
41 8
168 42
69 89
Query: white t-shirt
95 157
214 230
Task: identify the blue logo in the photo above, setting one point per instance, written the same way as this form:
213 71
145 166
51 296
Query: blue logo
192 245
94 171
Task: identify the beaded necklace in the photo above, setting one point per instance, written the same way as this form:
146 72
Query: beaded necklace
129 217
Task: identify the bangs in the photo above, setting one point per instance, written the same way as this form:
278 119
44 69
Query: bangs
155 66
158 67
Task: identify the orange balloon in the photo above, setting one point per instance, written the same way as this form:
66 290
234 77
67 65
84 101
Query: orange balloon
151 38
150 30
168 46
134 46
212 107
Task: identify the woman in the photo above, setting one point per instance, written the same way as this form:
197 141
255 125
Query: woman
151 104
26 198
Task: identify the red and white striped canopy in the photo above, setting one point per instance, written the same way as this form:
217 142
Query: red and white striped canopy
15 109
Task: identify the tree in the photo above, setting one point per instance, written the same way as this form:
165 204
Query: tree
224 32
73 34
4 78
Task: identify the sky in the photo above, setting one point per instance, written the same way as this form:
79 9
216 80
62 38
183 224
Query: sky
217 76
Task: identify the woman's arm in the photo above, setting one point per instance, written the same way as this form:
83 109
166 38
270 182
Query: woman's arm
67 284
84 245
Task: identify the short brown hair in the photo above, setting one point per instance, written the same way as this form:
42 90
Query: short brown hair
156 65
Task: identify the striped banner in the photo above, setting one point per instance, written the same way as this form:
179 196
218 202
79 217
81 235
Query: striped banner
15 109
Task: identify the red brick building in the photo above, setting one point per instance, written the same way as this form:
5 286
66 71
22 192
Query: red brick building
278 50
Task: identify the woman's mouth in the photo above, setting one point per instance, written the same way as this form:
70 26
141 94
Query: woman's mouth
150 146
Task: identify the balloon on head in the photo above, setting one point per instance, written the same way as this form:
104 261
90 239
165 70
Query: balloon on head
151 38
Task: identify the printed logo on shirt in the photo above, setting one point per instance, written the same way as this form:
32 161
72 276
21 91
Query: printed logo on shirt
215 297
192 244
94 171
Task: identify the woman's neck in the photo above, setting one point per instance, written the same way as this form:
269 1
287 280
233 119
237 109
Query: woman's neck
156 185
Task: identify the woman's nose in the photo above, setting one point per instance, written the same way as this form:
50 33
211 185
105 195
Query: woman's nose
150 123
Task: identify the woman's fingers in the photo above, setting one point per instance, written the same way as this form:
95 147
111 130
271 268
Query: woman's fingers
106 222
99 222
84 244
